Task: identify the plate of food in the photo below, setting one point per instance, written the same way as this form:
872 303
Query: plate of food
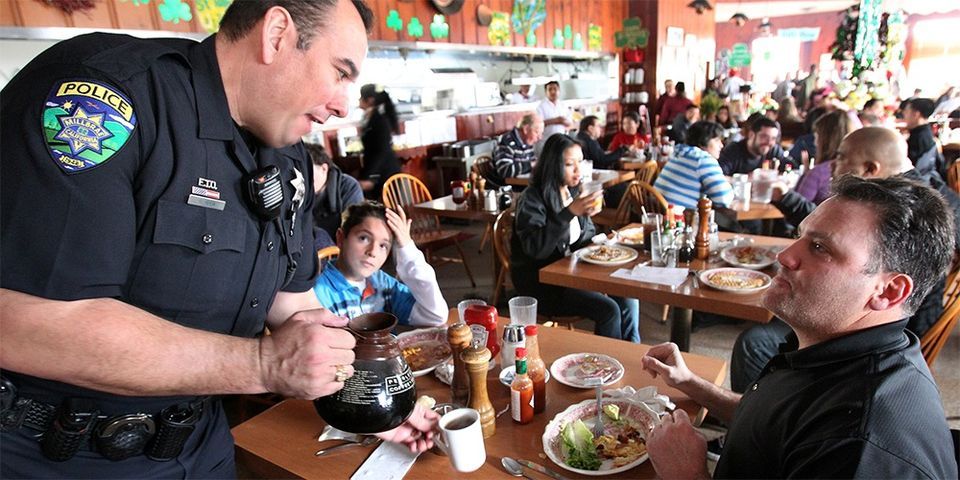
573 370
631 237
607 254
424 349
568 439
754 258
735 280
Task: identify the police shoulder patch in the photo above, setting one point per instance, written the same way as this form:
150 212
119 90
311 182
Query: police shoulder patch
85 123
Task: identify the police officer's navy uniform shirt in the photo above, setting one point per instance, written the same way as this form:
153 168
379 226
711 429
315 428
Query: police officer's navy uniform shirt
861 406
122 176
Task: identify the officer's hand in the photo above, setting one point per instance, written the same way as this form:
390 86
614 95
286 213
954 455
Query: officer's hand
300 358
417 432
665 360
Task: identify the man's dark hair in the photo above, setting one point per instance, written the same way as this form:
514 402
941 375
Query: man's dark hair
870 103
700 133
691 107
310 17
551 82
923 105
355 214
318 154
915 234
681 88
548 174
812 116
587 122
762 122
632 115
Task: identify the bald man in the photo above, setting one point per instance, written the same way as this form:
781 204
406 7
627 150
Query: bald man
870 152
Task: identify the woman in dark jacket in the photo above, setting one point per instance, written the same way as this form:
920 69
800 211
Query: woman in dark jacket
551 220
380 122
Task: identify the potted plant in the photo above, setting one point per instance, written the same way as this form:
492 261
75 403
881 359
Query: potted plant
709 105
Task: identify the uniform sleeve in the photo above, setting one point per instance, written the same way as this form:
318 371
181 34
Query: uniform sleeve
429 307
851 458
66 235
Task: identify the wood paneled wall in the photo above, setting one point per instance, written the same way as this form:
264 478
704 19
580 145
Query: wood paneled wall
579 14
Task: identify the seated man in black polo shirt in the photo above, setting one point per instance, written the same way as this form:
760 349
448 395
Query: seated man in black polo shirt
760 143
850 395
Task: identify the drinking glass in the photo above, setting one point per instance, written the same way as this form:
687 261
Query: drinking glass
586 170
651 222
464 304
589 188
523 310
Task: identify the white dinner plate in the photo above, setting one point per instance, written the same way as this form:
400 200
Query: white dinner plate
619 254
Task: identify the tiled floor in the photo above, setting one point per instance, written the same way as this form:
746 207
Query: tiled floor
715 341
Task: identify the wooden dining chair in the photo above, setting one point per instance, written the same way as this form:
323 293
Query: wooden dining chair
502 230
648 172
938 334
483 166
953 176
326 254
403 191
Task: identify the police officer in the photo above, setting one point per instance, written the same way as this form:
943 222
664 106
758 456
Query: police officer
156 215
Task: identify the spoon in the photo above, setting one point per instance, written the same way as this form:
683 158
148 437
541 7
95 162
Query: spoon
364 443
513 468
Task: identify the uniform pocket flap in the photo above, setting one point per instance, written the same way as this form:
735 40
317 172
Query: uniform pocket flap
201 229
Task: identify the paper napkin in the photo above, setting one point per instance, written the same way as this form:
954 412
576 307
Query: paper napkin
390 461
659 275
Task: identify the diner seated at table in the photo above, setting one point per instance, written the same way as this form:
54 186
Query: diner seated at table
678 130
515 152
335 191
631 135
921 147
760 143
871 152
551 220
354 284
849 395
693 170
804 144
828 131
588 135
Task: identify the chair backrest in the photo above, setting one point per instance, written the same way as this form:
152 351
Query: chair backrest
502 231
327 254
403 191
648 172
938 334
484 167
639 194
953 176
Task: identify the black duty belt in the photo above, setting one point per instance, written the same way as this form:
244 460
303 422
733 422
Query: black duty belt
78 424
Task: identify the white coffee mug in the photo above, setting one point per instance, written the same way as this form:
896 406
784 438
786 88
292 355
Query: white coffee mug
461 438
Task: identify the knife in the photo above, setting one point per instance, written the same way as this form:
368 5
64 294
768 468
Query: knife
540 468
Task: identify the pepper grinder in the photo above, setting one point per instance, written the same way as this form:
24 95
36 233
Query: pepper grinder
702 243
459 337
476 358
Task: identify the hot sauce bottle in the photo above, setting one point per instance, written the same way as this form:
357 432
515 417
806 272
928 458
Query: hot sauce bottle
521 391
536 369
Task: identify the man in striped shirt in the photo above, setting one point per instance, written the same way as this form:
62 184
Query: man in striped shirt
694 169
515 153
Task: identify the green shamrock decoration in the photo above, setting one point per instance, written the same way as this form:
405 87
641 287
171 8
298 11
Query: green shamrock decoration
531 39
578 41
394 22
439 28
567 31
175 10
557 39
415 28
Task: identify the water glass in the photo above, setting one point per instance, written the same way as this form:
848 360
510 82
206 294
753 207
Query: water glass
523 310
464 304
586 170
763 181
651 223
591 187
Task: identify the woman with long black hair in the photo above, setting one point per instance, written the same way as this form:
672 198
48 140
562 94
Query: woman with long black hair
552 219
380 122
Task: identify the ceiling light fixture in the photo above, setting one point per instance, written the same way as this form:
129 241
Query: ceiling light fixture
765 26
739 18
700 6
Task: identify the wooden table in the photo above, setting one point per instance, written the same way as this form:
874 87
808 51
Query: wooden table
446 207
567 272
608 177
280 443
756 211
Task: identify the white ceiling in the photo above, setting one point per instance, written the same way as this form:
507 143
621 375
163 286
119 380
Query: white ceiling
725 9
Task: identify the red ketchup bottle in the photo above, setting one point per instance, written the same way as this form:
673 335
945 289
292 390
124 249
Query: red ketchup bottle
482 320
